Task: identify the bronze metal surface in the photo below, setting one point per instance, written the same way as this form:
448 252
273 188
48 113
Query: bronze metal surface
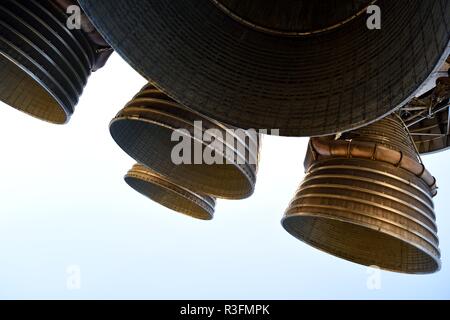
44 65
365 208
163 191
144 128
102 50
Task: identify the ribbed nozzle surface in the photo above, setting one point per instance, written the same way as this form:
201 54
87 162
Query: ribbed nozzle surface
44 65
367 210
163 191
154 130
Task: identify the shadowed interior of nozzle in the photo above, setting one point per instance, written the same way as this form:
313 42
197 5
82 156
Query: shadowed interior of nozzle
24 93
151 145
360 244
169 198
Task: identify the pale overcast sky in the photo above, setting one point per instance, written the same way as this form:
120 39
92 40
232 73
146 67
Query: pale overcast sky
64 209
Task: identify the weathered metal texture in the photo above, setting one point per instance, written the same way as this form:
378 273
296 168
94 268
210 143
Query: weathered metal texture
102 50
44 65
294 18
427 116
163 191
317 83
144 130
364 209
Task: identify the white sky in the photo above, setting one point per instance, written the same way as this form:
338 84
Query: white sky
63 203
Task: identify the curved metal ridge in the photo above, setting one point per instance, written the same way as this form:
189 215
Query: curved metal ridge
352 215
275 32
351 199
365 201
367 150
146 107
152 89
430 223
348 255
406 182
58 20
146 172
72 72
22 58
101 49
428 204
389 132
70 92
246 168
44 66
150 97
169 194
144 129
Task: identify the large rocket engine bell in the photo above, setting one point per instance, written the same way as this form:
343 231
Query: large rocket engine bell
367 198
44 64
306 67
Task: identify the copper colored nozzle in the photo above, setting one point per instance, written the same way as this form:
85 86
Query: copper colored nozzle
355 203
161 190
144 130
